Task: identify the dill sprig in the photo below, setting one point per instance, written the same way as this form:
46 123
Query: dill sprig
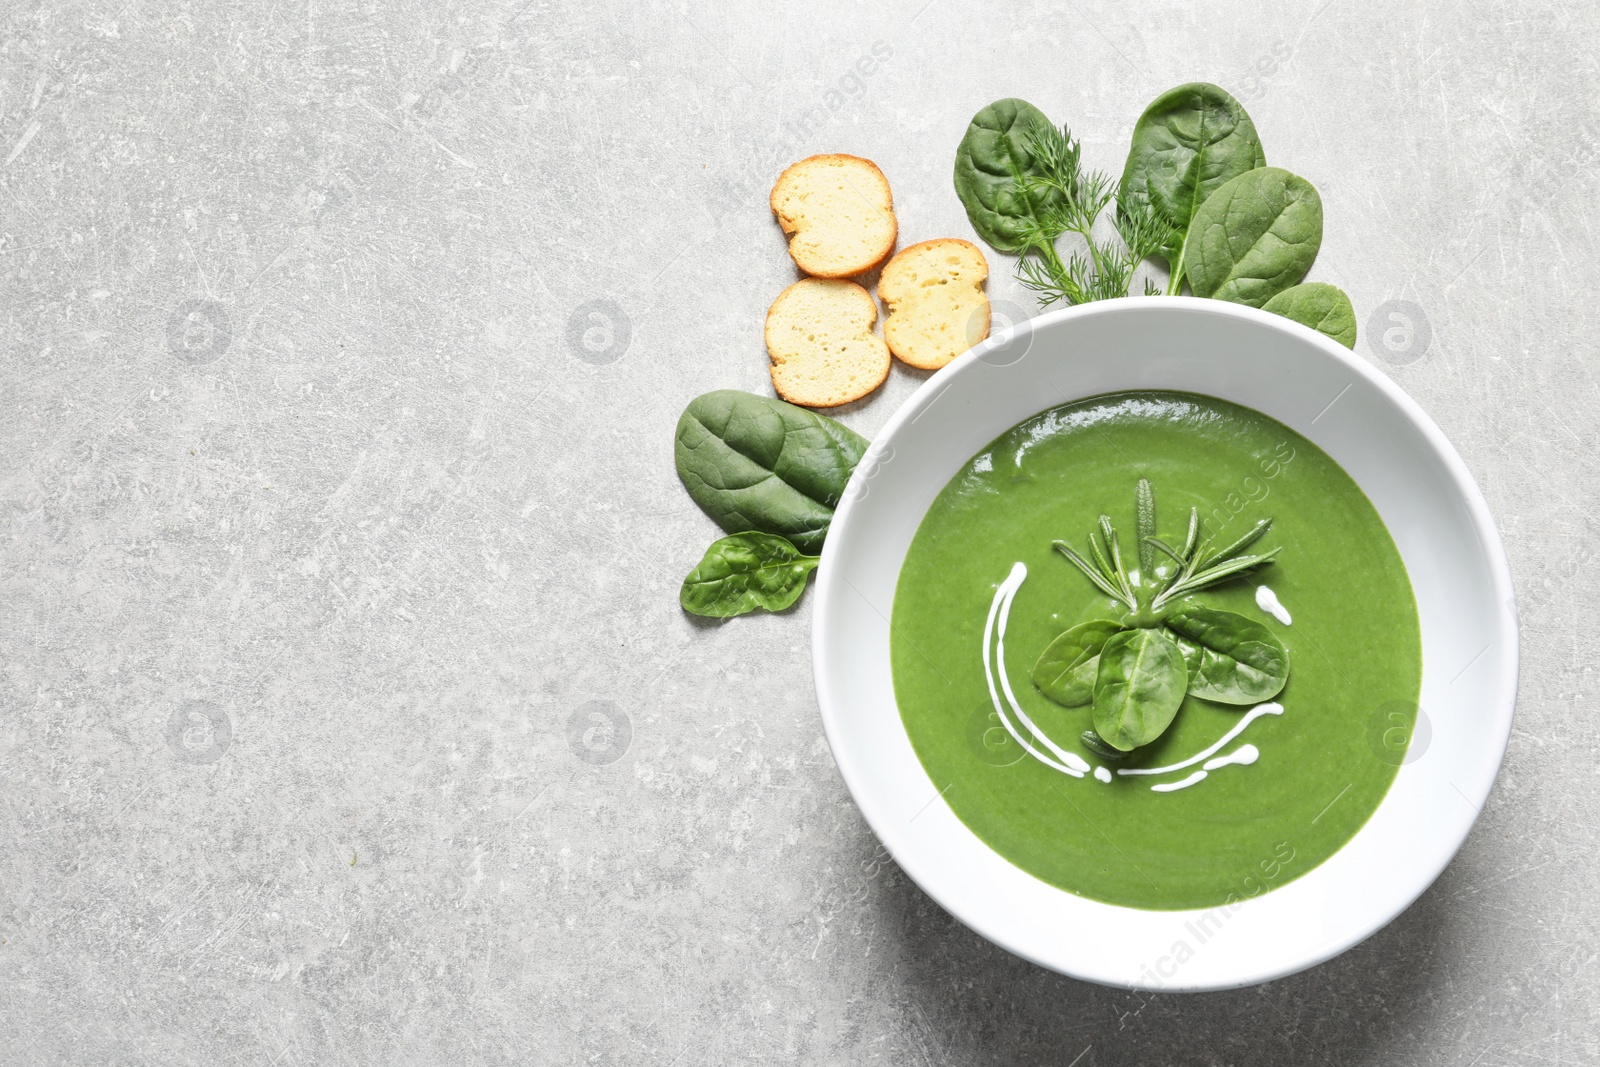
1067 199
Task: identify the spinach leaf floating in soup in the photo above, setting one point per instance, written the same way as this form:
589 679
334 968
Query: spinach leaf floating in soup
1231 659
1136 670
1137 688
1066 671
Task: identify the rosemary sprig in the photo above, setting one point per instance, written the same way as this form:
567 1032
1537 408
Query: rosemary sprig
1103 580
1198 569
1197 566
1251 537
1068 199
1193 537
1145 511
1106 571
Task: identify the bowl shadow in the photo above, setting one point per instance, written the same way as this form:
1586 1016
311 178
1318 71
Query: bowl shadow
969 1001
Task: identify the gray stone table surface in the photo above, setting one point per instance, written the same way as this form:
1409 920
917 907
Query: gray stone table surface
347 712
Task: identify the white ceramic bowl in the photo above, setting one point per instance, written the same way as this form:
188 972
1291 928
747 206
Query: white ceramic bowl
1399 458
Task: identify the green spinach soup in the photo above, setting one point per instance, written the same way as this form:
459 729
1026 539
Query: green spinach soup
1157 650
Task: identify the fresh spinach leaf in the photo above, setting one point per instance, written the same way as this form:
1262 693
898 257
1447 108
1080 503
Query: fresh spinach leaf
1138 687
1321 306
746 572
754 463
993 158
1188 142
1066 670
1254 237
1231 659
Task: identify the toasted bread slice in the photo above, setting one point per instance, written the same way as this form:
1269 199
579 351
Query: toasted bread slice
839 213
937 309
824 353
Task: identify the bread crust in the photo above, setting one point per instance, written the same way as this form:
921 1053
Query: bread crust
913 330
820 341
787 206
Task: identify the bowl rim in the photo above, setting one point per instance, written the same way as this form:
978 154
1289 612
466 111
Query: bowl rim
1508 650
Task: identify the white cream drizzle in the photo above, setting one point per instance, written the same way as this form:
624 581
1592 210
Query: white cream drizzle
1244 755
1070 763
1268 602
1250 716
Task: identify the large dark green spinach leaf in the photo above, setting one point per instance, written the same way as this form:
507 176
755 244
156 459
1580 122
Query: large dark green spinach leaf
992 156
1066 670
1188 142
1138 687
1254 237
1231 659
1323 307
754 463
746 572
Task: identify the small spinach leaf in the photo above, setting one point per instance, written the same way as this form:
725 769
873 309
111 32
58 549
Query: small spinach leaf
1091 741
1188 142
742 573
995 153
1138 687
1321 306
754 463
1231 659
1254 237
1066 670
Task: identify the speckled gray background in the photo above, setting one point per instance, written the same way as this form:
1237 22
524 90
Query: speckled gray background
346 710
